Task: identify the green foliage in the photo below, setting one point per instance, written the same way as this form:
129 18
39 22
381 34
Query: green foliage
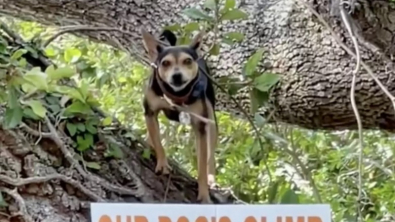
195 13
252 63
305 165
215 13
233 14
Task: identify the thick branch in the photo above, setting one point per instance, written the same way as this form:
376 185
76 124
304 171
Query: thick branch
314 88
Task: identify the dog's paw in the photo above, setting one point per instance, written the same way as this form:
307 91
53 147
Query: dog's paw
211 181
204 198
162 167
214 186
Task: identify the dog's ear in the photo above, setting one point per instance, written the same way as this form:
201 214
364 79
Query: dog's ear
197 41
169 36
151 45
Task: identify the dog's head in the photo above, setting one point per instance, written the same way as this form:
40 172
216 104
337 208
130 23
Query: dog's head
177 65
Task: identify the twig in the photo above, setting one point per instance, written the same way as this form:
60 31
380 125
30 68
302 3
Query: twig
4 27
120 46
35 132
255 129
21 182
349 51
84 28
346 20
20 41
21 203
167 188
63 147
304 169
183 109
216 15
71 29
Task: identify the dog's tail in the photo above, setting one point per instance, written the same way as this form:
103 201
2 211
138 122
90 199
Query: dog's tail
168 36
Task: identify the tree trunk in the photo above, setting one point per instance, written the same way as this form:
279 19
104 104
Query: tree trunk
42 180
314 90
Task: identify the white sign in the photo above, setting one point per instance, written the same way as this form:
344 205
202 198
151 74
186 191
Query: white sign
134 212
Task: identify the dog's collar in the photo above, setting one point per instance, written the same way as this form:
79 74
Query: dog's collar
175 99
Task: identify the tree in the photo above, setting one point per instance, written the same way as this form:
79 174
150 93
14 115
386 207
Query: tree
329 172
314 88
49 169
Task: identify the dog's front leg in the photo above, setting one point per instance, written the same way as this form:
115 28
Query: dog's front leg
151 120
212 139
202 155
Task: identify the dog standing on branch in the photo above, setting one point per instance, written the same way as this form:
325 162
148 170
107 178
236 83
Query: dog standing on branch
178 85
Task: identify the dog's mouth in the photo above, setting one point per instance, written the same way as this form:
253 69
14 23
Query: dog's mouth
179 83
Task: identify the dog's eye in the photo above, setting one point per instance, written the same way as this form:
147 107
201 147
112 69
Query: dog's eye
165 63
188 61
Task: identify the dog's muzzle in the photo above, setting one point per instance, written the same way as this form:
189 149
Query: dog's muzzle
177 79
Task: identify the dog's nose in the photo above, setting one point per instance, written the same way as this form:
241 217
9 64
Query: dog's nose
177 79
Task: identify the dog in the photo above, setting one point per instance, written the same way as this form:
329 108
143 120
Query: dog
179 74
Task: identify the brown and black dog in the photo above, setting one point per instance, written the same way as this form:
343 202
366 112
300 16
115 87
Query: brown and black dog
179 74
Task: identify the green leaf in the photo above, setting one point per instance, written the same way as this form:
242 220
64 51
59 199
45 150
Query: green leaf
83 88
184 40
259 120
234 14
13 117
28 88
80 127
265 81
37 108
272 192
227 41
3 203
54 108
289 197
229 4
195 13
93 165
234 36
59 73
78 107
215 49
33 51
72 92
82 144
107 121
49 52
146 153
257 98
72 55
114 151
252 63
190 27
89 139
13 101
28 113
72 128
17 54
91 128
37 78
22 63
209 4
174 28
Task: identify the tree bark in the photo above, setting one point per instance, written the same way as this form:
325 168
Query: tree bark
315 85
42 180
